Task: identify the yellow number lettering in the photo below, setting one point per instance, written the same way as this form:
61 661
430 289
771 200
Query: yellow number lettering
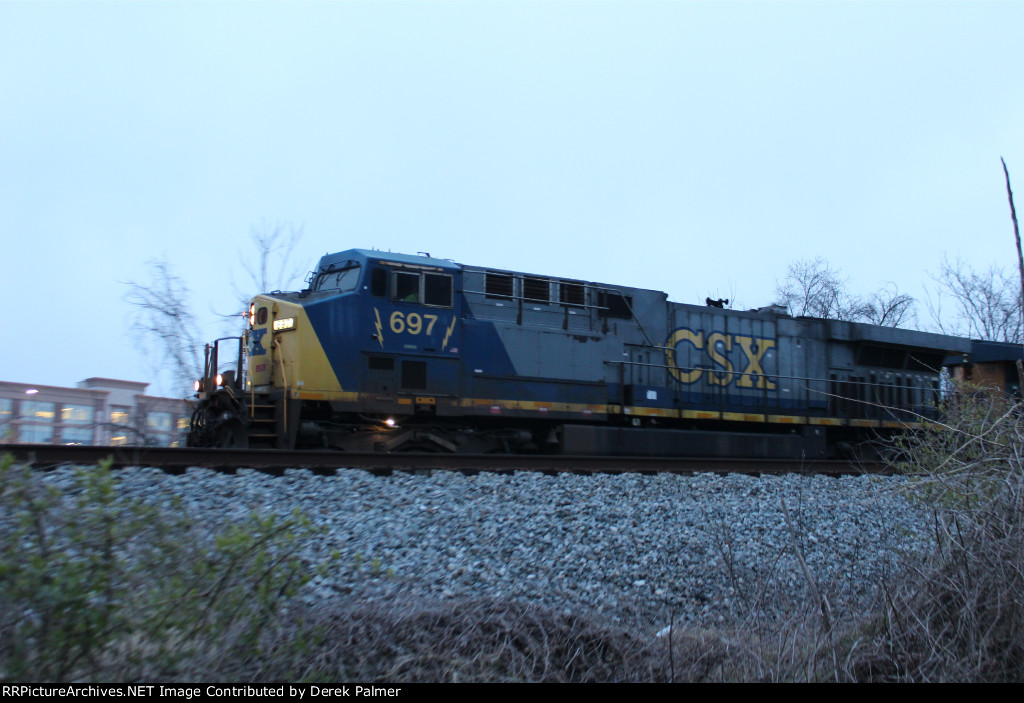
414 323
431 319
397 322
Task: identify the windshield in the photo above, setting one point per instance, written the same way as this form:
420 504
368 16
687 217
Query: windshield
342 278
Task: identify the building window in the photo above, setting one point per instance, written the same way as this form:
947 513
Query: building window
38 410
119 414
76 435
6 412
159 422
36 434
71 414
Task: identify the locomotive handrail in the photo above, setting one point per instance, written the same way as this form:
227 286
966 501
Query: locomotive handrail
809 380
212 361
562 303
769 376
521 299
630 308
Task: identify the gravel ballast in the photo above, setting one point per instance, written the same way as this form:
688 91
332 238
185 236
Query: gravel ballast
631 548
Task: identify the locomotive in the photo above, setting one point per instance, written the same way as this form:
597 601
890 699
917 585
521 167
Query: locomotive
394 352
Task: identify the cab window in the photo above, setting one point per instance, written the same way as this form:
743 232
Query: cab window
342 279
437 289
406 286
433 289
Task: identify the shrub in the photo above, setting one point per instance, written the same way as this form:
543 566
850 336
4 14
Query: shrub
959 614
97 588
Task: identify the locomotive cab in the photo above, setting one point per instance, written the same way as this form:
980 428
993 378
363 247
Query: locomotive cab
373 339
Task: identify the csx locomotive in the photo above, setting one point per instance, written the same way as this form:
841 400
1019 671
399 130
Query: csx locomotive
391 352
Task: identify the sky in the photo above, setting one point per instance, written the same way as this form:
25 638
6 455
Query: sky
690 147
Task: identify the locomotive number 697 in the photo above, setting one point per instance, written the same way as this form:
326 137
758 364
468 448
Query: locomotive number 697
392 352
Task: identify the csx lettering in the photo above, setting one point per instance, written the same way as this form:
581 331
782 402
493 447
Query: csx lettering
718 346
413 323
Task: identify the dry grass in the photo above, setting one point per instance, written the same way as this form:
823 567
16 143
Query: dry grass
468 641
959 616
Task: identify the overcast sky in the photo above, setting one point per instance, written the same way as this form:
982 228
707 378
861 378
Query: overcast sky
695 148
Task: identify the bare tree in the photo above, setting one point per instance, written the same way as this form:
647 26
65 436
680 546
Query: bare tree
164 321
985 305
815 289
272 267
890 308
165 326
812 288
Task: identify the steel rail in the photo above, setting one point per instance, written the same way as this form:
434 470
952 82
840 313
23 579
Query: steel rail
178 459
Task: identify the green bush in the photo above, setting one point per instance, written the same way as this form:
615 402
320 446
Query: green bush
94 588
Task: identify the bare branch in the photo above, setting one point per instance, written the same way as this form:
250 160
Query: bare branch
815 289
890 308
272 268
165 326
985 305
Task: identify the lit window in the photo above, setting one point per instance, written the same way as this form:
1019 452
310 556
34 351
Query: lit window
158 421
38 410
6 410
76 414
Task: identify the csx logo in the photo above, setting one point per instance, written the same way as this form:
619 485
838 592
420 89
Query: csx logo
255 345
719 347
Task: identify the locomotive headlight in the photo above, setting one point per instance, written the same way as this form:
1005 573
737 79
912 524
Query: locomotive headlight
198 385
285 323
252 314
220 380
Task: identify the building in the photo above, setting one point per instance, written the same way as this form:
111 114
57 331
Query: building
99 411
991 365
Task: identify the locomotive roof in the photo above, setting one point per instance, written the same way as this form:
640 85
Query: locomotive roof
385 256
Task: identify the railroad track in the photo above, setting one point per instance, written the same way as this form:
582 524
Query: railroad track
178 459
